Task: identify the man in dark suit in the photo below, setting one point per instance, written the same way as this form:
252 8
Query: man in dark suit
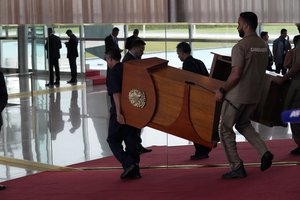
72 54
111 41
129 40
136 52
3 102
52 47
197 66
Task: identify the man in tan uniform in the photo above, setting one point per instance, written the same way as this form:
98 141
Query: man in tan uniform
241 94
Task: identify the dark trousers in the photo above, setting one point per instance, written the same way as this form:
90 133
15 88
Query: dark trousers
279 68
73 67
201 149
54 63
117 133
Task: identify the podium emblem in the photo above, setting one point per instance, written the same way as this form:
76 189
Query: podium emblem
137 98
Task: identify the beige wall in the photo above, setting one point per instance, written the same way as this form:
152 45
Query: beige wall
144 11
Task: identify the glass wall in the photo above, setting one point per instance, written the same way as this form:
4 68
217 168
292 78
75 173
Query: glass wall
161 41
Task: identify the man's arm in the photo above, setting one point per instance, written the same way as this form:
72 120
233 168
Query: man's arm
117 100
233 79
291 73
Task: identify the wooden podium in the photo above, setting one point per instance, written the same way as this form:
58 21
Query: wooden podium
175 101
269 109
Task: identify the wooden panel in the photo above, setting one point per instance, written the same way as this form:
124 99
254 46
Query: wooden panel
221 67
136 76
184 102
269 109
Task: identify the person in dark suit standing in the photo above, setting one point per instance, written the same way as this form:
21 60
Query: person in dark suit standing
52 46
3 103
111 41
129 40
72 54
197 66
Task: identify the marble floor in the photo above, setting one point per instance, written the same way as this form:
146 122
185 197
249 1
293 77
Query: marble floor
68 125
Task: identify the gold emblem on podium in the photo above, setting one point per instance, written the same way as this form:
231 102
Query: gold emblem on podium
137 98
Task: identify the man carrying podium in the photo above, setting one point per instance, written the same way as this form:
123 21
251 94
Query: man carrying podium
240 95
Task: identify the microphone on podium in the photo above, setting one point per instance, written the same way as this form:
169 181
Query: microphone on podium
292 116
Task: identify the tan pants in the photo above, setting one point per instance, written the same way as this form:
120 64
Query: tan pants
238 115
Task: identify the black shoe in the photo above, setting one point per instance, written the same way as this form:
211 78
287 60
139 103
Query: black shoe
128 171
266 161
56 83
2 187
135 173
142 149
72 81
49 85
296 151
199 156
238 173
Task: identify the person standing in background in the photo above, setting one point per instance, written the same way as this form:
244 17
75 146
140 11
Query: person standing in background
3 103
280 48
265 36
52 46
111 41
72 54
129 40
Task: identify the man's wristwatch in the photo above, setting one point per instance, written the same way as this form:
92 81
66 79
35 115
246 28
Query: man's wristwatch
223 91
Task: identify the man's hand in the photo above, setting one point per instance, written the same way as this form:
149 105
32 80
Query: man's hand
120 119
219 95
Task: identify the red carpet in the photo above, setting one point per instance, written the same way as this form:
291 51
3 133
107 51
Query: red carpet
279 182
180 155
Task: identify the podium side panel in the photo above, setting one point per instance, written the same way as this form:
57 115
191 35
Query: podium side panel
169 100
137 86
202 111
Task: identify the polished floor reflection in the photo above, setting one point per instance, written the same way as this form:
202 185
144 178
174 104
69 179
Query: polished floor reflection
68 125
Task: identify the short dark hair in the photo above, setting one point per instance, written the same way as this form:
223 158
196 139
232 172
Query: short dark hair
283 31
263 34
296 39
69 31
250 18
114 54
50 30
184 47
138 43
115 29
136 31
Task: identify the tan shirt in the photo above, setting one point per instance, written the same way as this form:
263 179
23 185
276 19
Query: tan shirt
251 55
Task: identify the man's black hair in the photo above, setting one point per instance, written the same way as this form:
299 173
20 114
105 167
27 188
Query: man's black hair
184 47
138 43
263 34
250 18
